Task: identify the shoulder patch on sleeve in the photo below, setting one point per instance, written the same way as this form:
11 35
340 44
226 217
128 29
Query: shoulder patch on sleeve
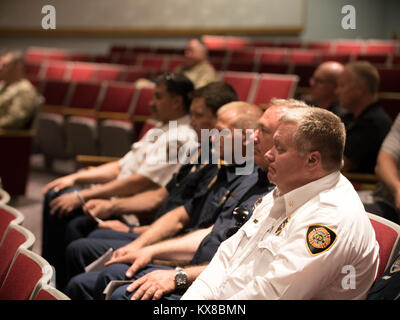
395 266
319 239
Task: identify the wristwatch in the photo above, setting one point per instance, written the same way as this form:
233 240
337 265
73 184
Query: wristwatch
181 279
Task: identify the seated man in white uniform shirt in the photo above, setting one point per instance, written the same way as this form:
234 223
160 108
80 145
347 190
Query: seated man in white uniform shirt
305 236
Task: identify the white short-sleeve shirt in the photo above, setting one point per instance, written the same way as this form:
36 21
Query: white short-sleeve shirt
315 242
154 156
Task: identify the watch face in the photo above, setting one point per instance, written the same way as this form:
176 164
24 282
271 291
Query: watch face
180 279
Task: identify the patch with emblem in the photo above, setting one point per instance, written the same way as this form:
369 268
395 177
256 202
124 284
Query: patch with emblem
281 226
319 239
395 266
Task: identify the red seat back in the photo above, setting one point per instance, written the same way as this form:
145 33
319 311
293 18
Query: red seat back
274 86
388 238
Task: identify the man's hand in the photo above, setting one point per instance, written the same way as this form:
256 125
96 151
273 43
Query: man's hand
115 225
139 259
64 204
100 208
59 184
153 285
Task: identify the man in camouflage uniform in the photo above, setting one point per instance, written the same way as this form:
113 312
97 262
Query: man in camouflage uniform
197 67
18 97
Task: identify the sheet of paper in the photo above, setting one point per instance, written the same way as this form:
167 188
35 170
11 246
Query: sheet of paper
114 284
98 264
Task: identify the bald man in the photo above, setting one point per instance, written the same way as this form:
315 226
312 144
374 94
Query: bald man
323 85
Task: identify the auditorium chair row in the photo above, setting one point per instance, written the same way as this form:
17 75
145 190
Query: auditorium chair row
90 117
24 274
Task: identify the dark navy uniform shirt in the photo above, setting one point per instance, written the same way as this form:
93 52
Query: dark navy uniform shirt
252 188
186 184
388 286
221 192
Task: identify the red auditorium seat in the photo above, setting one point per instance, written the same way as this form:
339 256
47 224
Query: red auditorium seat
244 83
174 62
387 234
56 70
320 46
349 47
274 86
290 44
55 92
391 104
36 55
15 237
303 56
235 43
218 63
396 60
389 79
81 125
339 57
166 51
248 54
214 42
109 73
58 55
128 60
82 72
134 73
32 69
273 61
16 146
378 59
141 49
19 283
154 62
85 95
118 97
116 110
380 47
9 215
304 72
273 55
263 43
103 59
243 60
47 292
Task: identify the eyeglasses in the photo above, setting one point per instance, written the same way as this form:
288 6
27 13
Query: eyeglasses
240 214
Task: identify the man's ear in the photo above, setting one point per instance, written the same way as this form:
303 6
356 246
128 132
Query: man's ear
178 102
314 159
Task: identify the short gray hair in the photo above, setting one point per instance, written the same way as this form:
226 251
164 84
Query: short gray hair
318 130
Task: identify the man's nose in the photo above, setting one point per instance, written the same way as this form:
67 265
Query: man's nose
269 156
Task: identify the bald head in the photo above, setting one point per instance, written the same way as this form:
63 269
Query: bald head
244 115
324 82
